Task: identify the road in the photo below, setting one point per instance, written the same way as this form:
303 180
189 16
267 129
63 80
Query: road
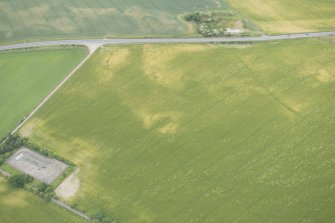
95 43
69 208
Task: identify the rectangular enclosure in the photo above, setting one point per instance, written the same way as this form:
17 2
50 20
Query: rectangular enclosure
36 165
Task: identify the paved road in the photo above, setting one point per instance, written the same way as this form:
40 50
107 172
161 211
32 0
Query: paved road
94 43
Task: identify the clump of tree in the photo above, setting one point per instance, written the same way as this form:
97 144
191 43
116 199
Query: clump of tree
20 180
3 158
45 191
99 216
193 17
209 17
11 143
213 23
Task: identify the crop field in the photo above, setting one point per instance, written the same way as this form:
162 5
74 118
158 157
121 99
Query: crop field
27 77
200 133
78 18
288 16
21 206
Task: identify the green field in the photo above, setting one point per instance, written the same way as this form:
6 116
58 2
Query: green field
200 133
26 77
44 19
33 19
18 205
288 16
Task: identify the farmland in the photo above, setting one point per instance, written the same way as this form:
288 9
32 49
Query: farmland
78 18
18 205
200 133
47 19
27 77
288 16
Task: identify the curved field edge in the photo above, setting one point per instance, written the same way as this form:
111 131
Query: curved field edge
27 76
199 133
18 205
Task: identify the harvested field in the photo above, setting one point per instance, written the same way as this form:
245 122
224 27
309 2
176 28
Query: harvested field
288 16
36 165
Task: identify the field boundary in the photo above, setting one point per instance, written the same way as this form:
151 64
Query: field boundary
74 211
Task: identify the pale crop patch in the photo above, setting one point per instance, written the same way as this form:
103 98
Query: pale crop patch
27 130
116 57
170 125
17 200
284 27
325 76
64 24
169 128
82 13
150 20
259 6
156 67
144 214
111 62
136 13
291 107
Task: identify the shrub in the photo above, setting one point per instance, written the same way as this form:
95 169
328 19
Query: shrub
45 191
213 23
20 180
100 216
13 142
194 17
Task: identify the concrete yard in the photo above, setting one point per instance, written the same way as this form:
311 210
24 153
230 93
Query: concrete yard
36 165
